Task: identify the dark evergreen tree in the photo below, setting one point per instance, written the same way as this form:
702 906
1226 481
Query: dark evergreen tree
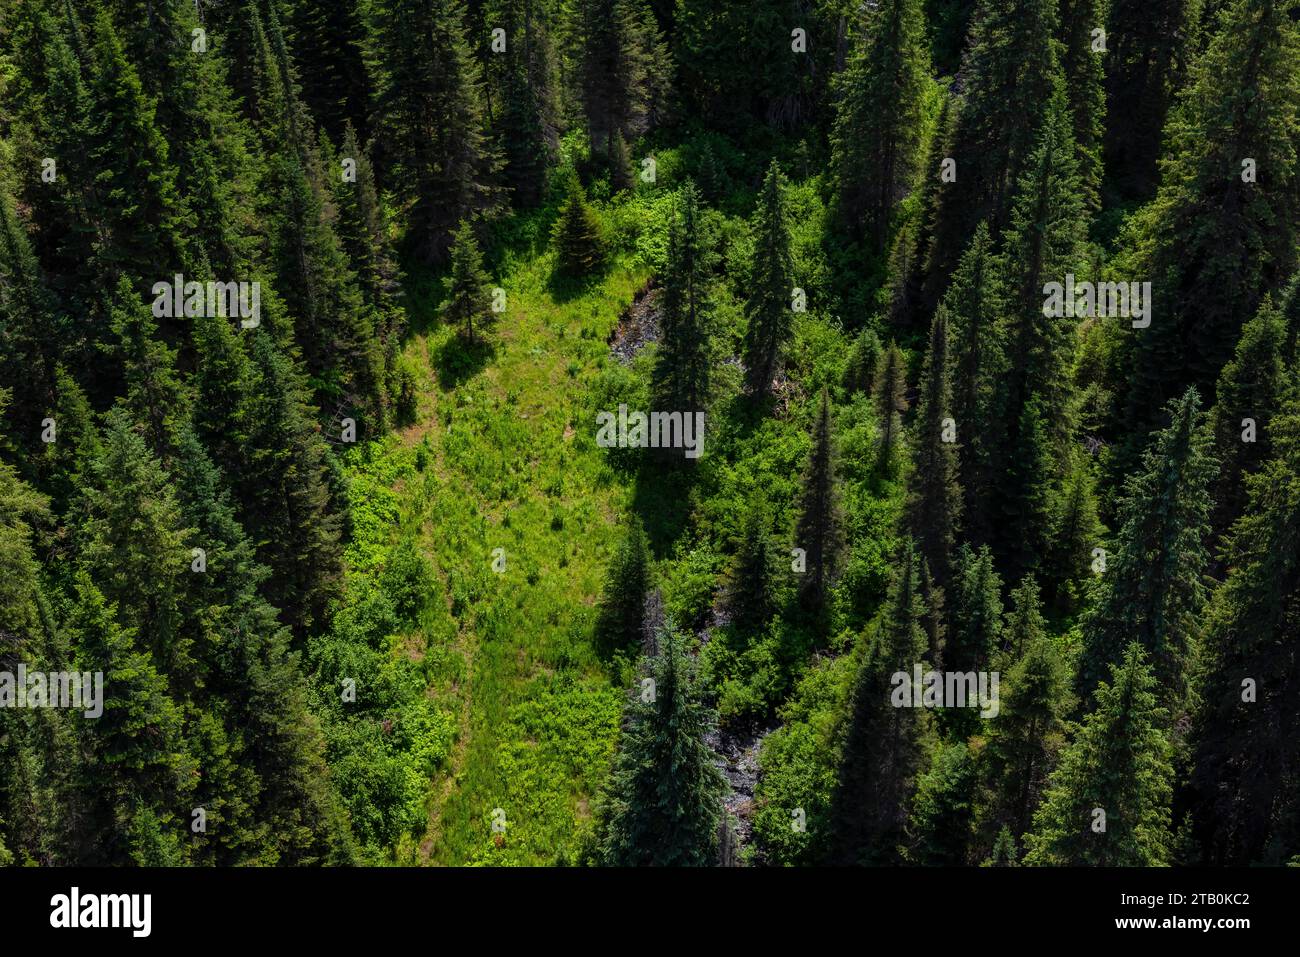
155 395
1152 591
469 298
973 304
621 70
1249 393
1082 65
1222 231
860 374
935 503
940 821
1023 741
752 579
884 743
429 112
1119 764
681 379
880 118
1243 799
1148 46
770 318
663 803
580 250
1010 69
891 402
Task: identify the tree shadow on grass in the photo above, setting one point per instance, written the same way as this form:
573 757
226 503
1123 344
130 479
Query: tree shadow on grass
662 497
457 360
564 288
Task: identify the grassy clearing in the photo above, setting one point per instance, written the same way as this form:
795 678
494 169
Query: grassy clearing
501 457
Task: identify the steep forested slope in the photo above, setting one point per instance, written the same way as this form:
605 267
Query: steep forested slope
544 431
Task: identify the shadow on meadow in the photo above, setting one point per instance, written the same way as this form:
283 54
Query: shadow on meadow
457 360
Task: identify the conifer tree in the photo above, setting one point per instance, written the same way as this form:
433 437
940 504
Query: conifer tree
1152 592
621 70
154 396
361 223
622 608
973 304
1022 744
281 477
940 820
819 528
935 504
768 307
1010 68
681 379
135 202
1043 242
1249 392
136 753
663 803
469 298
976 627
527 95
247 658
133 541
1075 533
30 325
1024 623
884 744
580 249
430 115
860 374
1082 66
1218 236
1242 796
334 327
891 402
1120 764
880 118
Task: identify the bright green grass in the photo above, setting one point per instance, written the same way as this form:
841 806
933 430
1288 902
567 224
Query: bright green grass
511 464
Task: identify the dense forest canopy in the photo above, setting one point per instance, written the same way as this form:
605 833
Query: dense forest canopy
678 432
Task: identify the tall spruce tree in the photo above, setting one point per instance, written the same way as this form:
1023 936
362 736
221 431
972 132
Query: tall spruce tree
1249 394
621 70
752 580
1153 592
1224 227
469 298
973 304
1010 68
1107 802
1022 744
935 503
430 114
580 251
621 624
1082 66
880 118
770 318
1243 798
884 743
663 802
682 375
1148 47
